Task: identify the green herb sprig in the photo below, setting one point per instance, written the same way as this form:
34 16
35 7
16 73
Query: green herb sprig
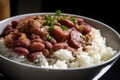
64 27
49 37
58 13
73 19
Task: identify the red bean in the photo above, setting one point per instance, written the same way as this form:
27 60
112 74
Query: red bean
79 21
60 46
36 40
53 41
22 42
33 56
36 46
7 30
21 51
45 52
8 27
14 24
48 45
34 36
87 29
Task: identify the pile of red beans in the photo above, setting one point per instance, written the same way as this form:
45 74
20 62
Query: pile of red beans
47 33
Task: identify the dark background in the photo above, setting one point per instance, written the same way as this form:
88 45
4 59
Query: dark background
106 12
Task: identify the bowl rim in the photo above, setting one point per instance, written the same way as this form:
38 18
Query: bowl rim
116 56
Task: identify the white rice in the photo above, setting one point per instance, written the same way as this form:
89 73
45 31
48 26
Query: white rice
96 53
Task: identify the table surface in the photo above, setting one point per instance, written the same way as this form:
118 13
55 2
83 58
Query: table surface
112 74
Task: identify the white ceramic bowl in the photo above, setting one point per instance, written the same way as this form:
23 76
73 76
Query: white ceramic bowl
19 71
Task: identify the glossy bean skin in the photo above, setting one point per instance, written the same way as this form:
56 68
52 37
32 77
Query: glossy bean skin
36 47
87 29
9 31
79 21
32 35
58 46
33 56
22 43
53 41
45 52
21 51
14 23
8 27
6 30
48 45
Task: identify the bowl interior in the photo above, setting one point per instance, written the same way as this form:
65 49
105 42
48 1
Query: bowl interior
112 37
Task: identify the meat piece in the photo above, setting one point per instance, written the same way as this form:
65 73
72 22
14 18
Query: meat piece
67 23
75 39
59 34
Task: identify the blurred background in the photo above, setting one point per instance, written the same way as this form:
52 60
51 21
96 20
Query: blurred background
107 13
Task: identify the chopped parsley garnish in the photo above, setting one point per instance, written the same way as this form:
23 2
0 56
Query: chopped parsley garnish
51 28
63 16
50 20
64 27
73 19
58 13
49 37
